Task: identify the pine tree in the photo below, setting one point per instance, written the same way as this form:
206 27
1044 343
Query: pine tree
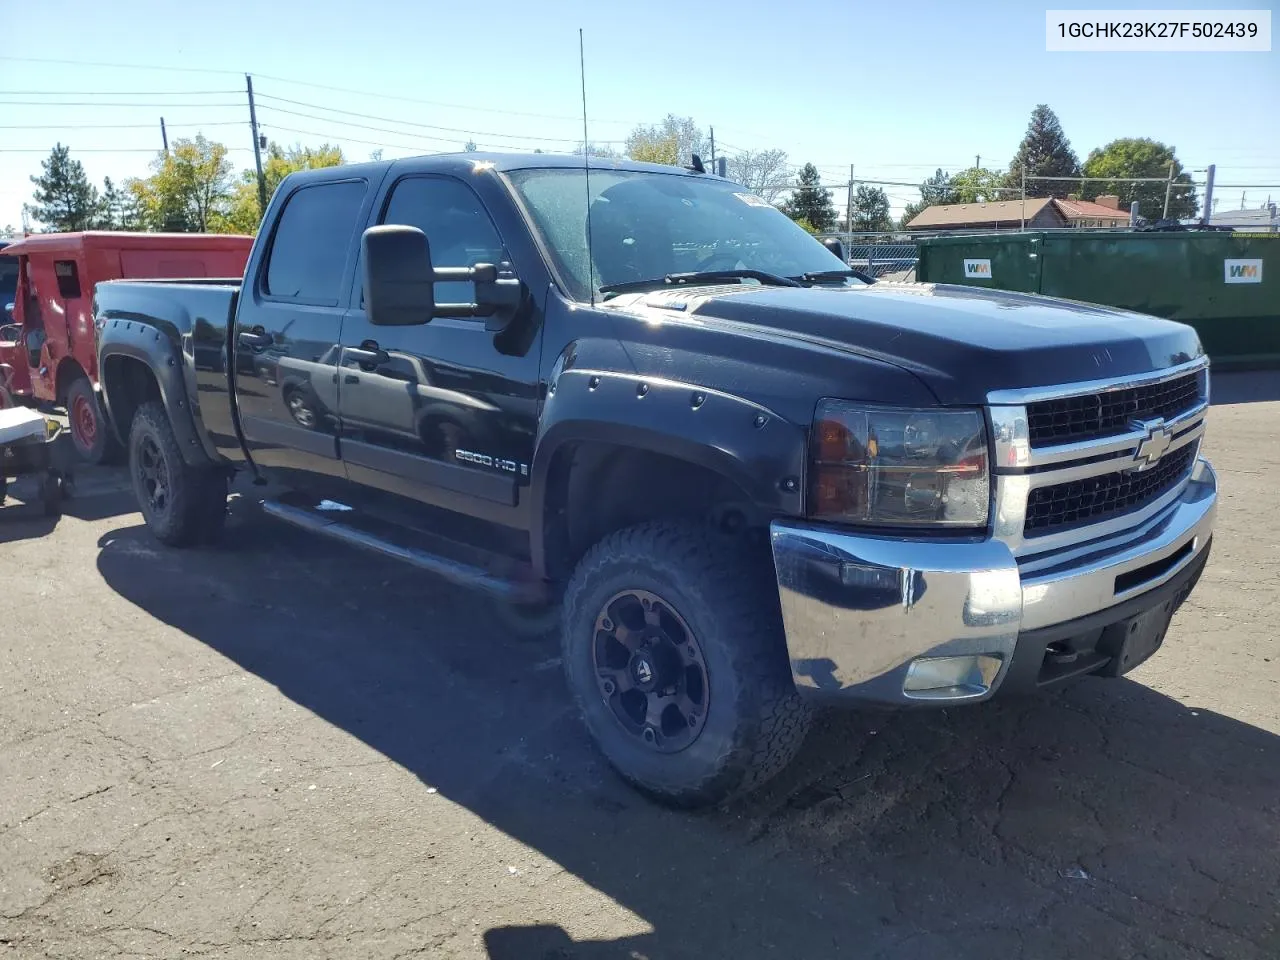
111 209
870 210
809 202
1045 151
64 198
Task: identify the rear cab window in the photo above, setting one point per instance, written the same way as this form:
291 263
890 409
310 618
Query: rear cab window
312 242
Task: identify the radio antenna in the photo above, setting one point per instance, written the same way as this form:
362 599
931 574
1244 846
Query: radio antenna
586 166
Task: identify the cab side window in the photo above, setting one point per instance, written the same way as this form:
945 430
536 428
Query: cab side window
457 226
312 242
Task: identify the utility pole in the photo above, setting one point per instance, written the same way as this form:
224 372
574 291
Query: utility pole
1208 195
713 148
1168 189
977 162
164 136
257 148
848 214
1024 198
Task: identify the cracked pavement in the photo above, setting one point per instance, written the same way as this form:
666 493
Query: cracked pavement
281 748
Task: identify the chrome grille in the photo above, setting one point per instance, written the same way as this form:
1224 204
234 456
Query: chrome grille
1109 412
1071 463
1079 502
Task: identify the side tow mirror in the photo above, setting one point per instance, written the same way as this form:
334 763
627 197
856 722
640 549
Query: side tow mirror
399 284
835 246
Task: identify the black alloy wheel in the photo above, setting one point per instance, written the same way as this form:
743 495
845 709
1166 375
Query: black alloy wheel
650 670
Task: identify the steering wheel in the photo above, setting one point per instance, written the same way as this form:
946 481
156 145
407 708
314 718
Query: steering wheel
711 262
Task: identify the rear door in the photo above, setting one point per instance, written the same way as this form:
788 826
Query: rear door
288 328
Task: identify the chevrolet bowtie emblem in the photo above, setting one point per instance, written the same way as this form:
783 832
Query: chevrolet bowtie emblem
1154 444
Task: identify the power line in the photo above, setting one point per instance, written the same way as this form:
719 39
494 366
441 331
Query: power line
118 93
303 83
403 123
116 66
104 150
107 103
115 126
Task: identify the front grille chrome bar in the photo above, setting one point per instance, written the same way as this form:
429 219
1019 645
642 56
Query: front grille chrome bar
1019 468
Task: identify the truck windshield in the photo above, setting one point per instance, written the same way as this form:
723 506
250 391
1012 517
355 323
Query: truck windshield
650 225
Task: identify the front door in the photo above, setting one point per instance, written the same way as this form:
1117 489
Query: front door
434 412
288 331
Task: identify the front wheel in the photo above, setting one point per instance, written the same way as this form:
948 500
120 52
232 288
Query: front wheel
181 504
673 647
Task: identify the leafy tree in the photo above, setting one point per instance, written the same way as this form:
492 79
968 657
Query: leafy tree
1140 157
469 147
977 185
763 172
64 198
189 190
810 202
596 150
937 189
244 214
808 227
870 210
674 141
1045 151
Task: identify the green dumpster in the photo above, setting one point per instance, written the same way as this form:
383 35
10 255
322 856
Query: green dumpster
1226 285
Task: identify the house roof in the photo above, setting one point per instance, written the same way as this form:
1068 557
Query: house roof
963 214
1078 209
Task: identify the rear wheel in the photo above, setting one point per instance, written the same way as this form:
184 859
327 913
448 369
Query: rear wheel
673 646
182 505
89 431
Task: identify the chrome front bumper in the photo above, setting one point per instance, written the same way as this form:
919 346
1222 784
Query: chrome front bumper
860 610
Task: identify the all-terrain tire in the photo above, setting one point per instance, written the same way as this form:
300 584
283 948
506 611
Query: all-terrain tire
726 593
91 435
194 508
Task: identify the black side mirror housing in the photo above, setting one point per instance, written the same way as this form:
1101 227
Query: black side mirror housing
835 246
399 284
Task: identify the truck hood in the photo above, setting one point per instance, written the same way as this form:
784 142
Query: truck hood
961 341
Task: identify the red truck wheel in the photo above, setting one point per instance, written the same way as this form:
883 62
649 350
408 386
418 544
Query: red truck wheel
89 431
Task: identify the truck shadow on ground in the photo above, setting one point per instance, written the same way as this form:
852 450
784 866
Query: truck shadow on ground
1105 821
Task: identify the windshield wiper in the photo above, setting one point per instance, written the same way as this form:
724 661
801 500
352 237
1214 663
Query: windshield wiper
817 276
704 276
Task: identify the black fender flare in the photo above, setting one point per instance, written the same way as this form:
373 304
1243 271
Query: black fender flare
138 340
736 438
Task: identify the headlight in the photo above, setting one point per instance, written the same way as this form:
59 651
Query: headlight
896 467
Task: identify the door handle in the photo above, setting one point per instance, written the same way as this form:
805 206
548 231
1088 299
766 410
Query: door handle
350 378
257 338
368 354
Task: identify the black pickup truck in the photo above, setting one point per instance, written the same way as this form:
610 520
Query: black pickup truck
752 481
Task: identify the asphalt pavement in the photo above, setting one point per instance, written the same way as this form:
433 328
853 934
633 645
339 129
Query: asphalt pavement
281 748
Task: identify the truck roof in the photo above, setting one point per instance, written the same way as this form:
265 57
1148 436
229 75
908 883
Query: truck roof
465 164
71 243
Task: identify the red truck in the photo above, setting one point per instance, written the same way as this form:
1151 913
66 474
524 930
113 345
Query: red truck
48 346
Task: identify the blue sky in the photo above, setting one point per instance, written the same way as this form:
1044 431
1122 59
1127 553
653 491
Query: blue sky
897 89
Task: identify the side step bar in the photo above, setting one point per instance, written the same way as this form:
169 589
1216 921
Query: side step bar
511 589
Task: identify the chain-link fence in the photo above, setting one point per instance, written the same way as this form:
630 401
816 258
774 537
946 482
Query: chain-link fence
885 256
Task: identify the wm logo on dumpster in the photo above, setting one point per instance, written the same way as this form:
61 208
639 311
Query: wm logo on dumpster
1242 271
977 269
